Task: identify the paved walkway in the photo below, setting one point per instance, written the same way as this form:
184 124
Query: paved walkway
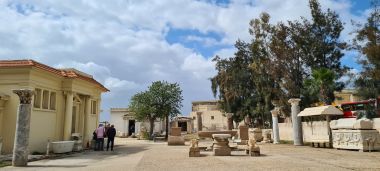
131 154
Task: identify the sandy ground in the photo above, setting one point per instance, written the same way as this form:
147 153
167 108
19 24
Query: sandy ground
131 154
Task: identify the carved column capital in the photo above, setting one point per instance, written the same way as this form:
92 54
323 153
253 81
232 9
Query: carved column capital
25 95
275 112
199 113
294 101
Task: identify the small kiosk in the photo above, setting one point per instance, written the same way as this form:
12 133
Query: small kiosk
321 138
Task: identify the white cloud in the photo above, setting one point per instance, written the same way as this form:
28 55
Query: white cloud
123 43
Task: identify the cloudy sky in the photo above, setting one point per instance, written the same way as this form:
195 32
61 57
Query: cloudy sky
127 44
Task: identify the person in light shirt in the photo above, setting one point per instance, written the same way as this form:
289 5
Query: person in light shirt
100 134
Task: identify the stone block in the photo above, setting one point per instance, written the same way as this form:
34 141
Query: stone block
194 152
225 151
255 151
175 131
176 140
363 124
345 123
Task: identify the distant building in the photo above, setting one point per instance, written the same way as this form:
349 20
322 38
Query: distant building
66 101
346 95
212 117
126 124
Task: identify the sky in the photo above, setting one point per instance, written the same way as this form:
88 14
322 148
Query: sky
128 44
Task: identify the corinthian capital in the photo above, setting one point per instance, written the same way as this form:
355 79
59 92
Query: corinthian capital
25 95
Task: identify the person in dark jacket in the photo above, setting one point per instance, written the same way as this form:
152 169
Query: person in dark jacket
111 132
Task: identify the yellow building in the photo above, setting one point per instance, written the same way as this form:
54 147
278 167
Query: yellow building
212 117
66 101
346 95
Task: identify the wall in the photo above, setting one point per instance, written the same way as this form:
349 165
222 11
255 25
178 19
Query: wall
318 129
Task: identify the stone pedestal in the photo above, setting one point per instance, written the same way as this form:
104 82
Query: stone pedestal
21 142
276 131
296 121
194 152
230 121
243 134
252 148
221 147
199 121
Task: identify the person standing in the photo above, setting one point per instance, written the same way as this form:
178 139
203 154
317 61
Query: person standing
100 134
111 132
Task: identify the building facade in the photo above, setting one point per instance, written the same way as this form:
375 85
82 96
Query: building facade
211 115
66 101
126 124
346 95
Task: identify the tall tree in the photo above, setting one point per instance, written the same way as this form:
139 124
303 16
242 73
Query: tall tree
367 42
232 83
142 106
166 100
161 100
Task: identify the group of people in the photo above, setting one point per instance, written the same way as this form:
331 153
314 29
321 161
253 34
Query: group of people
100 133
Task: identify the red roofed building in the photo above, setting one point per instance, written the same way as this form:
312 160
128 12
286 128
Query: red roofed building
66 101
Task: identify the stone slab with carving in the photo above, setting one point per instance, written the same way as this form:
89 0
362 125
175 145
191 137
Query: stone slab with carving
256 134
364 140
176 140
243 134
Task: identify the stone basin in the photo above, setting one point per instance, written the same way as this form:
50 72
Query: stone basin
208 134
62 146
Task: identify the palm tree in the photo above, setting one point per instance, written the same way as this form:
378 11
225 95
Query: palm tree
322 84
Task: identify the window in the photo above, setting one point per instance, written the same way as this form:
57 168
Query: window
93 107
212 117
37 98
52 100
45 99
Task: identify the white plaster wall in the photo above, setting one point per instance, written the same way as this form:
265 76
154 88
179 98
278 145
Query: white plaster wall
317 129
117 120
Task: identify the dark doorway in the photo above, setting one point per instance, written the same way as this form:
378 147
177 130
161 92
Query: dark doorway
131 128
183 126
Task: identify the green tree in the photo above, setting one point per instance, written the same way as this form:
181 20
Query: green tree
322 85
232 83
166 100
368 44
161 100
142 106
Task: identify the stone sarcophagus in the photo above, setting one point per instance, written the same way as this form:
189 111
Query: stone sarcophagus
355 134
365 140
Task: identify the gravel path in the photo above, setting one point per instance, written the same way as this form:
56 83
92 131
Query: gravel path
131 154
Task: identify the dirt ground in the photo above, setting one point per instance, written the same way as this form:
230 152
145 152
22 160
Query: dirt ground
132 154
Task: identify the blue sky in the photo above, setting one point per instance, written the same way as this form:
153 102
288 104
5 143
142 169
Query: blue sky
126 45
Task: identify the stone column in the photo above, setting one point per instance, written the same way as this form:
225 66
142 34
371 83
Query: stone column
276 132
199 120
87 114
230 121
68 116
21 142
297 125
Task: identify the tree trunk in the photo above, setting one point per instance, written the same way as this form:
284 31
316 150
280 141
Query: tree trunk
151 127
167 126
